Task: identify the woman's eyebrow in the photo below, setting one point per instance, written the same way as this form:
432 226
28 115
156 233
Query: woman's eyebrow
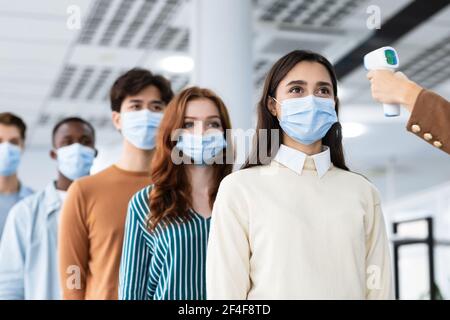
300 82
303 83
324 83
195 118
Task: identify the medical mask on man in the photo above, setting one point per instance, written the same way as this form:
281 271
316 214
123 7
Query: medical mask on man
202 149
140 128
307 119
10 155
75 161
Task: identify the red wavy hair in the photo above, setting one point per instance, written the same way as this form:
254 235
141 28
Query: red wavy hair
170 196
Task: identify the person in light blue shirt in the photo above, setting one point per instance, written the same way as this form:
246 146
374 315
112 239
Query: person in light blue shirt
8 200
28 250
12 141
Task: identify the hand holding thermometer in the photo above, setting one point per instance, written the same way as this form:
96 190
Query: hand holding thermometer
384 58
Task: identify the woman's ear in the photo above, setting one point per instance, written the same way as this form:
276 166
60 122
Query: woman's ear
272 106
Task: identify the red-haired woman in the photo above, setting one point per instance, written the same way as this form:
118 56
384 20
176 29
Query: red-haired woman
166 232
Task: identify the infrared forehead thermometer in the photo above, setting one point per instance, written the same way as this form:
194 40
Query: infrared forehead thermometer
385 58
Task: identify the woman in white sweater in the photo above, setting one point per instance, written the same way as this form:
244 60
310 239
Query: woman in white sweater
295 223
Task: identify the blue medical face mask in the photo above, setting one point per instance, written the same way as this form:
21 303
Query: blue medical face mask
10 155
202 149
140 128
75 161
307 119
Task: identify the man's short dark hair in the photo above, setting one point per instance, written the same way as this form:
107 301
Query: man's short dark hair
133 82
68 120
10 119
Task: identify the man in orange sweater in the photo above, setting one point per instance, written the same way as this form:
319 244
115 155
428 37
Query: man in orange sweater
93 215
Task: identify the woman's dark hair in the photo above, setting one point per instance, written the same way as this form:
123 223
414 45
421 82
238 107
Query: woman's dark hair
267 122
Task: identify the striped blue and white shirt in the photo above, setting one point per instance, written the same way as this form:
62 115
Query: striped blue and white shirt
166 264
